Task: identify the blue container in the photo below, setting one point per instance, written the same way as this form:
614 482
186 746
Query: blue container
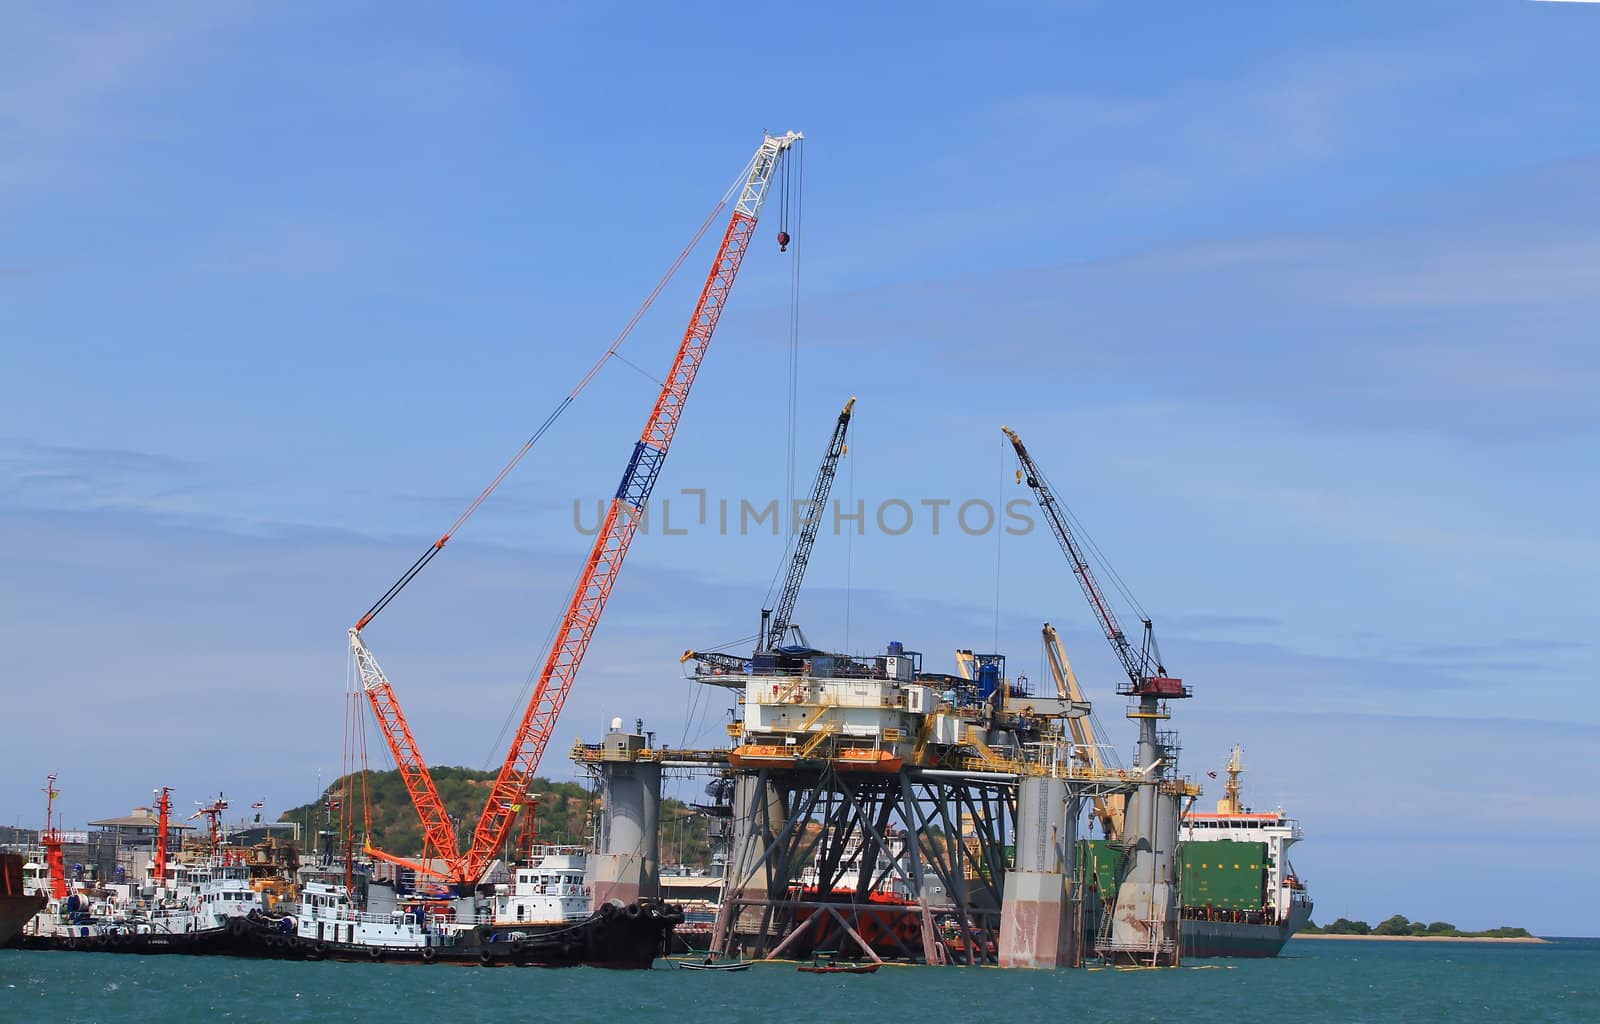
988 680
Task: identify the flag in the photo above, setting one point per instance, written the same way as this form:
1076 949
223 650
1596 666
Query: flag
1211 775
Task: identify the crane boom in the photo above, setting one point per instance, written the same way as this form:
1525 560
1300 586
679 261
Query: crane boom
438 832
820 487
621 522
1146 675
1108 809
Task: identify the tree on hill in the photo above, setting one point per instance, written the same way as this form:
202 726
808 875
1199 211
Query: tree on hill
1396 925
1506 932
564 814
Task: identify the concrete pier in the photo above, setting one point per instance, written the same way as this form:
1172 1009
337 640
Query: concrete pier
1144 927
627 864
758 818
1038 920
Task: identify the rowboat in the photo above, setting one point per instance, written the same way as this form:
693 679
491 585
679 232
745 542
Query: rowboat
838 968
726 965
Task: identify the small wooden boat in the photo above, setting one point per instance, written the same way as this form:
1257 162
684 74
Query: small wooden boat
836 968
707 965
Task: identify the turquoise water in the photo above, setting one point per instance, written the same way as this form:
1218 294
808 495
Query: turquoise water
1318 981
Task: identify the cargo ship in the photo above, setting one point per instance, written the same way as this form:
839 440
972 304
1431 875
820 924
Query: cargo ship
1239 894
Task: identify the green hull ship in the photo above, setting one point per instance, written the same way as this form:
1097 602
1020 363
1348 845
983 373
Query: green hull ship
1238 892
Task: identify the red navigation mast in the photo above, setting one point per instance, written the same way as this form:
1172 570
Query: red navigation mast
163 813
51 840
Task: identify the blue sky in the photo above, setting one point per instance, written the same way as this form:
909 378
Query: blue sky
1296 307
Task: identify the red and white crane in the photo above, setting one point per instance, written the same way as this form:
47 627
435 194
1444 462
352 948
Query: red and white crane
604 563
622 518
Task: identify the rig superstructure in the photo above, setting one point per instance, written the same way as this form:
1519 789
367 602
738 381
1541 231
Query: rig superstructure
884 809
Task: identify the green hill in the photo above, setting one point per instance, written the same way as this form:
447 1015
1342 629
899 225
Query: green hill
564 811
1400 925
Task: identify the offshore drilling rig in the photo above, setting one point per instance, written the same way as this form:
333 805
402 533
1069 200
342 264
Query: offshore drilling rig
879 809
873 804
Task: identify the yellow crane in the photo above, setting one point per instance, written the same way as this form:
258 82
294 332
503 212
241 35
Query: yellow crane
1108 809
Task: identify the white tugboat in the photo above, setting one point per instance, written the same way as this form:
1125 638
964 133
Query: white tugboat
540 917
183 907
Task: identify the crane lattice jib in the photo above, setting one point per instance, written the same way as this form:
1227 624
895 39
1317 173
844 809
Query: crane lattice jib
438 834
621 522
1131 660
808 529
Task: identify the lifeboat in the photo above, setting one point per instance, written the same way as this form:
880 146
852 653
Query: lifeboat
772 755
884 762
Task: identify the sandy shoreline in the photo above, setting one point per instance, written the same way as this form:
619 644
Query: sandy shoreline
1425 938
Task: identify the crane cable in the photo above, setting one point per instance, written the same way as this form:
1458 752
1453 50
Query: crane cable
1095 554
780 570
616 343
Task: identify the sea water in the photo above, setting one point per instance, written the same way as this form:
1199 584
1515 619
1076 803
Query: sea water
1342 981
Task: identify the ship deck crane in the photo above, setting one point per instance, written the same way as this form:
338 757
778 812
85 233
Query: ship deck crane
621 521
1147 677
777 624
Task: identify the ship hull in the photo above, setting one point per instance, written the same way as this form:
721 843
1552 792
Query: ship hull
211 942
15 913
1201 939
617 938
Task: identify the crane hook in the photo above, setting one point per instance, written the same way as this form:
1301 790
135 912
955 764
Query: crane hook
783 241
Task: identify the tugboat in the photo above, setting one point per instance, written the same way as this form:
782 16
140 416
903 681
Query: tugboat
192 906
541 918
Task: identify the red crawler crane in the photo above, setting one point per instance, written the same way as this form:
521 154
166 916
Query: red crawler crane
621 521
600 573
